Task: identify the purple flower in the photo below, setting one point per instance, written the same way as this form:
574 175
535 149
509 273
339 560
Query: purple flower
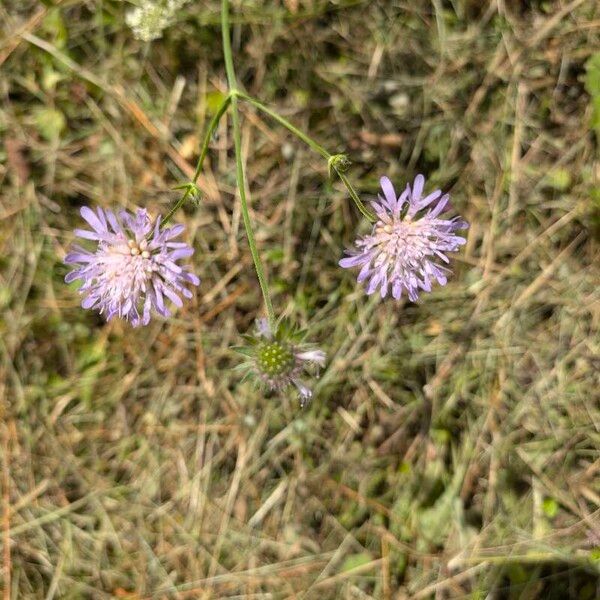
406 244
133 268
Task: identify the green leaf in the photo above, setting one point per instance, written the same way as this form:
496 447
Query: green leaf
244 350
592 74
89 355
592 86
50 78
356 560
558 179
274 254
440 436
5 296
404 468
50 123
214 101
55 26
550 507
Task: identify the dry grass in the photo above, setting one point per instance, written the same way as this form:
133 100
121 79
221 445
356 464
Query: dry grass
452 449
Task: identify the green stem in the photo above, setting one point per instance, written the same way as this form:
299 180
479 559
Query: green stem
283 121
214 122
314 146
176 206
359 203
240 174
209 133
227 52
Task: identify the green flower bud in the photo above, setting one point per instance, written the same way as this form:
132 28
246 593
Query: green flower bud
339 163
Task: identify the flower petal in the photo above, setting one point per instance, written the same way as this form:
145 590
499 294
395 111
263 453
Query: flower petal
417 189
90 216
388 191
353 261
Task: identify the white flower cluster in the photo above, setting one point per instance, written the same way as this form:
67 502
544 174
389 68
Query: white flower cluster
152 17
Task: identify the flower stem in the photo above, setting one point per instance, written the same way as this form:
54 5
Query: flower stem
240 174
209 133
314 146
214 122
283 121
176 206
359 203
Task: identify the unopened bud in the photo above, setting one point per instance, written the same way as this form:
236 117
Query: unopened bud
339 163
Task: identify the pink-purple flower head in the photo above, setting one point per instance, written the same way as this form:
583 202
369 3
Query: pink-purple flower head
409 239
133 270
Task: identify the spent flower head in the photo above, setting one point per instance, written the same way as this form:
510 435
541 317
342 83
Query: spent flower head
277 357
408 240
133 269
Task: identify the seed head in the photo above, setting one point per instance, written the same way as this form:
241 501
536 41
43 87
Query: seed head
274 358
278 358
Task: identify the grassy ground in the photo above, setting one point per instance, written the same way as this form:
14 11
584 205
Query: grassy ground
452 449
